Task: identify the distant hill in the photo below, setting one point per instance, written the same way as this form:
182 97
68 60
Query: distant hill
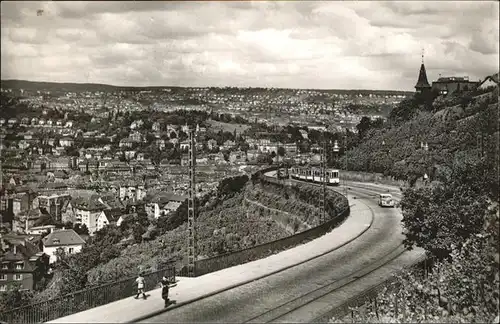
48 86
82 87
72 87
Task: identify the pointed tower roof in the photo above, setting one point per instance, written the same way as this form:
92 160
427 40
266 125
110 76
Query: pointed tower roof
422 82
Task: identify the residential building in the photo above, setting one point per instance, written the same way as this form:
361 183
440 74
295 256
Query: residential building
107 217
131 190
449 85
68 213
22 263
126 143
53 204
211 144
489 81
156 127
66 240
162 203
228 145
87 211
66 141
136 137
237 157
160 144
184 145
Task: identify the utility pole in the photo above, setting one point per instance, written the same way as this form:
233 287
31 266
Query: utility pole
345 166
480 145
278 157
191 228
323 161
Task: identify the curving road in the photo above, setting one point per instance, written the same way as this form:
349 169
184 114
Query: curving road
256 301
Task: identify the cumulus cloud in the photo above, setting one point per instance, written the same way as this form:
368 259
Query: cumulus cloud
306 44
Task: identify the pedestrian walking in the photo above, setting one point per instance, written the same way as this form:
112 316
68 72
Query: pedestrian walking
165 285
140 286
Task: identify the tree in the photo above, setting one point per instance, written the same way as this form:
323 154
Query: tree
81 229
405 110
244 146
150 138
40 275
110 253
225 154
182 136
363 126
14 299
281 151
137 231
264 158
446 214
45 219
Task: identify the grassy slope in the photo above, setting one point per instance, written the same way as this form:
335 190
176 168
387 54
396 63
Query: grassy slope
228 222
227 127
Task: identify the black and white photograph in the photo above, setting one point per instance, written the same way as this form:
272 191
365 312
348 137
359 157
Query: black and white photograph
228 161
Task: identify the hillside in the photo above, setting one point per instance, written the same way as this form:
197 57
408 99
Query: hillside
83 87
451 127
453 215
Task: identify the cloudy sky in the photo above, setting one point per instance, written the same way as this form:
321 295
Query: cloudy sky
297 44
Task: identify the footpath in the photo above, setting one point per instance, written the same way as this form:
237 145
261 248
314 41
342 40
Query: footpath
189 290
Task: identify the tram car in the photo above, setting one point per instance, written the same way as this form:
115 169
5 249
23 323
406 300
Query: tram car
313 174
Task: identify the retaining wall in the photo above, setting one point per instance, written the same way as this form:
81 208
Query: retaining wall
260 251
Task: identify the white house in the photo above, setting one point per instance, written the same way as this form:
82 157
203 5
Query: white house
66 141
87 212
136 124
184 146
65 239
107 217
125 217
131 191
489 81
161 204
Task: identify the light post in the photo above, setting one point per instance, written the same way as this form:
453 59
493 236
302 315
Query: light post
425 146
345 165
336 150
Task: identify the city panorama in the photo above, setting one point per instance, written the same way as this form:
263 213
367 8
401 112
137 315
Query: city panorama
249 162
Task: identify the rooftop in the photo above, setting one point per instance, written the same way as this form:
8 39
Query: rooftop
62 237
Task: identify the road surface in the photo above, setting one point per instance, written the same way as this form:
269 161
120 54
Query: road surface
257 300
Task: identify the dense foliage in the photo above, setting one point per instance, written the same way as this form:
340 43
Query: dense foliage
462 290
454 216
395 149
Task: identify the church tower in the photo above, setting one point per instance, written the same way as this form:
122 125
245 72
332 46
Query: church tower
422 85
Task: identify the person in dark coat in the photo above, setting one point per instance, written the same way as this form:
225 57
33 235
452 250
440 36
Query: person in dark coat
164 290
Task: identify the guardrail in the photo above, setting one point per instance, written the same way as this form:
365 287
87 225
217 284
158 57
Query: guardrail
84 299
